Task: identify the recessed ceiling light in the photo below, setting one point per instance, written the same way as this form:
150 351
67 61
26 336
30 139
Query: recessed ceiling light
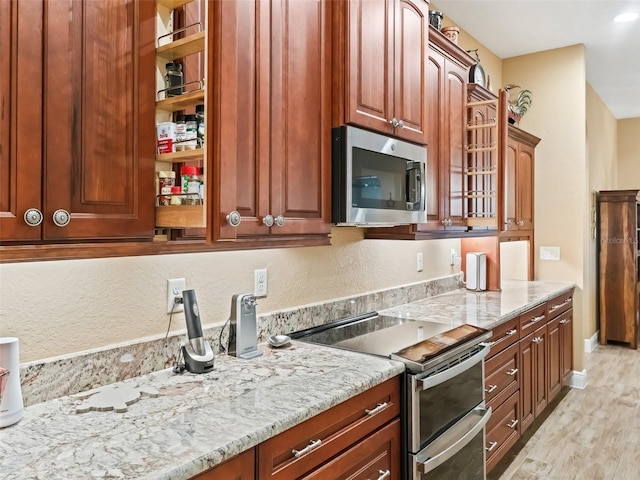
626 17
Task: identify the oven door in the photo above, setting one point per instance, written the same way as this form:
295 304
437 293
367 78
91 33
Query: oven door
458 453
441 396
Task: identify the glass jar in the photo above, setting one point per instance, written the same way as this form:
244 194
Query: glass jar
176 197
191 182
166 183
191 132
200 122
173 80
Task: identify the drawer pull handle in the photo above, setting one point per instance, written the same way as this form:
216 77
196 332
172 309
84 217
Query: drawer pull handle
312 444
555 307
491 388
491 446
512 372
373 411
384 474
564 321
537 319
512 423
511 332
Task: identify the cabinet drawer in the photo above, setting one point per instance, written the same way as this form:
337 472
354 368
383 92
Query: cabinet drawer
302 448
372 458
502 375
504 335
503 430
532 319
559 304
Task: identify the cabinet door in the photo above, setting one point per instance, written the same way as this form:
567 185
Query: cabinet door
510 191
370 64
373 457
524 187
555 358
455 139
566 345
540 346
272 85
20 118
527 385
410 58
300 137
99 150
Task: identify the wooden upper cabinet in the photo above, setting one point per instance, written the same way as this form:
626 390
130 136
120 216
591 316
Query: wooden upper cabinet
271 117
518 181
380 66
95 160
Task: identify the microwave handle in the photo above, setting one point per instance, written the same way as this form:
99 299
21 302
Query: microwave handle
416 183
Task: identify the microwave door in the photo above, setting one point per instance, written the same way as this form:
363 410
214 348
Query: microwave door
415 188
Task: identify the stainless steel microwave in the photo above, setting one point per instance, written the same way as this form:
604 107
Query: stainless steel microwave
377 180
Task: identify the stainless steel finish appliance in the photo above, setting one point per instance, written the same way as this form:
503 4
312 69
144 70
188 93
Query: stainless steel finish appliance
243 330
444 413
476 271
197 353
377 180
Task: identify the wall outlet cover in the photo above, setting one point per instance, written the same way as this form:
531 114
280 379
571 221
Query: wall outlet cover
549 253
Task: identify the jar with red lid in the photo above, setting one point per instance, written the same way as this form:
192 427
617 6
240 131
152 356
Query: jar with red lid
191 182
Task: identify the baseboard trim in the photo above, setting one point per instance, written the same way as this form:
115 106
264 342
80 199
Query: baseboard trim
578 379
590 344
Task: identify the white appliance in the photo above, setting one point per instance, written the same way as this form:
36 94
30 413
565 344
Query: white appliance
476 275
11 406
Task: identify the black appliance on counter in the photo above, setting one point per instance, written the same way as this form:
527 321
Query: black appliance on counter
443 414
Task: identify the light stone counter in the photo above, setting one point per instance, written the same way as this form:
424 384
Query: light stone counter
483 309
199 421
196 421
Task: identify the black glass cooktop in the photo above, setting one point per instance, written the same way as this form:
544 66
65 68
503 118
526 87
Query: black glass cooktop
412 341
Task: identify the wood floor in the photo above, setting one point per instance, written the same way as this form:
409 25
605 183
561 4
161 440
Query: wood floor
591 434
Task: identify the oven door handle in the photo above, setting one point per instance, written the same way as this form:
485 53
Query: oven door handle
457 443
454 371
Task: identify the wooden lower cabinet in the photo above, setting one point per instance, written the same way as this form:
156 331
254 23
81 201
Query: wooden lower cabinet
533 389
310 444
503 430
373 457
240 467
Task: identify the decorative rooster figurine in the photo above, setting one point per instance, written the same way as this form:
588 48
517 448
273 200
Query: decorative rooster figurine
519 107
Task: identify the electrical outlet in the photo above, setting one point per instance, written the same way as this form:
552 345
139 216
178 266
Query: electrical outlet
260 282
453 255
420 262
175 286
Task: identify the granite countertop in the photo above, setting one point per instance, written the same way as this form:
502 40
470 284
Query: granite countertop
199 421
195 422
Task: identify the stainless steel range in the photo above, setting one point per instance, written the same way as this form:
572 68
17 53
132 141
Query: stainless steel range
444 412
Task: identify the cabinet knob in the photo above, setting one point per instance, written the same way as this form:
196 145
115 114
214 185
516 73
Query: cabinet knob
61 217
33 217
268 220
520 223
449 222
280 220
394 122
444 222
537 340
564 321
233 218
400 124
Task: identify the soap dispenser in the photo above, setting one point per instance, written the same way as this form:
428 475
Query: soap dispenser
243 329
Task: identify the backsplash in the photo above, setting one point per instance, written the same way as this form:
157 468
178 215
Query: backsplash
74 373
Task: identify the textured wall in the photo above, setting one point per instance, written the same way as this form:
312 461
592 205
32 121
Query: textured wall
60 307
628 153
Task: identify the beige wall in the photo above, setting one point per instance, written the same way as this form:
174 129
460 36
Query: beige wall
602 161
61 307
629 153
558 117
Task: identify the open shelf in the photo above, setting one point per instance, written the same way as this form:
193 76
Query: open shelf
182 156
172 4
180 102
182 47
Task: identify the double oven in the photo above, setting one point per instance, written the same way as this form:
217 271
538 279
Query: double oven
444 414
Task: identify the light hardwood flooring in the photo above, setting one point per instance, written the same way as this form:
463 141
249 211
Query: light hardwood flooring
588 434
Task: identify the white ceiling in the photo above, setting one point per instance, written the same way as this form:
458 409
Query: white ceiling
517 27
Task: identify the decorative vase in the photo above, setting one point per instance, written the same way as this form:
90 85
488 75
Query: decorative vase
451 33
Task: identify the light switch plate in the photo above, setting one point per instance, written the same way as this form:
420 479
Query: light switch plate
549 253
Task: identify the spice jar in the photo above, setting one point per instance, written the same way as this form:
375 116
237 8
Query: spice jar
176 197
173 80
200 122
191 182
166 180
191 133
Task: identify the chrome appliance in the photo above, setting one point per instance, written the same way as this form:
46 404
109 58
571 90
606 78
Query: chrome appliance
444 414
377 180
243 330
